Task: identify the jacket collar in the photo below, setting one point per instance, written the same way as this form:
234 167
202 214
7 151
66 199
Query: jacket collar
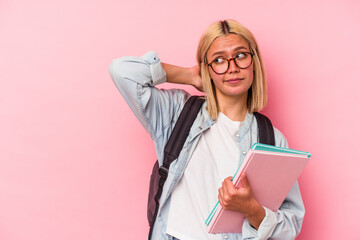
204 122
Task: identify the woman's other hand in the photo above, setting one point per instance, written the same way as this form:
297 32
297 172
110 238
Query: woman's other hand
196 78
241 200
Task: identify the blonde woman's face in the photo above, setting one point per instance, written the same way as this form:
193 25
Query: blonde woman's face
235 82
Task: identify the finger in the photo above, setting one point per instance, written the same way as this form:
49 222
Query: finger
230 187
229 190
220 192
221 196
224 188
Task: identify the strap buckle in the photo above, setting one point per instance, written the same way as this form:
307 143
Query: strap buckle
163 172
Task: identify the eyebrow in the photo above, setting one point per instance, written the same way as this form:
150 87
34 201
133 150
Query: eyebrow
222 52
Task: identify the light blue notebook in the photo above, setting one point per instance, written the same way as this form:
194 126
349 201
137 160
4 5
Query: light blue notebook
270 148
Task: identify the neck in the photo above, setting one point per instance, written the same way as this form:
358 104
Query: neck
234 108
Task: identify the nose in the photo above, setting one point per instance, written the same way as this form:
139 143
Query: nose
232 66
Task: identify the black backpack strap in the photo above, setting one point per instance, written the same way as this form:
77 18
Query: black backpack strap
266 131
177 138
173 149
182 129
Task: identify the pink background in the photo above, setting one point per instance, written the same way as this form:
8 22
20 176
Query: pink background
70 160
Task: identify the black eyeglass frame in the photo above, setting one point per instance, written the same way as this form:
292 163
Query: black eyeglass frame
228 60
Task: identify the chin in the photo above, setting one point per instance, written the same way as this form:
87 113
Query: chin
237 92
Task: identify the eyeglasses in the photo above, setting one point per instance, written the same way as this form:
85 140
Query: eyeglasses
243 60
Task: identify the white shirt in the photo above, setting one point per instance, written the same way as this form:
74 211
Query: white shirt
215 158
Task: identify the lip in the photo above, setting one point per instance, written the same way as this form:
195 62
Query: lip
234 80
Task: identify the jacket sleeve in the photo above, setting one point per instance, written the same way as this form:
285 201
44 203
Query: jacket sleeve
286 223
156 109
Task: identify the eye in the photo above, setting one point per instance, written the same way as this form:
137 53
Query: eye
219 60
241 55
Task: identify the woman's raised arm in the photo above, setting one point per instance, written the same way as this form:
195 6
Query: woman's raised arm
156 109
181 75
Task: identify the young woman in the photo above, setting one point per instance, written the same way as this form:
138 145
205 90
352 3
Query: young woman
231 74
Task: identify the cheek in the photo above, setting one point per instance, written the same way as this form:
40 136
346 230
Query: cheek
250 74
212 75
215 77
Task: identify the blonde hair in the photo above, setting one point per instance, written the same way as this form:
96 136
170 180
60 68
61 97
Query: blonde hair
257 95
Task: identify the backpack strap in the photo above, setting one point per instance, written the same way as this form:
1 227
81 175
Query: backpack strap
172 150
182 129
266 131
178 136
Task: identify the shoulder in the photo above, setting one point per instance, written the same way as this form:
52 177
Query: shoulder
280 140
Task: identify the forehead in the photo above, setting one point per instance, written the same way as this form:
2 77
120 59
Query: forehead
227 44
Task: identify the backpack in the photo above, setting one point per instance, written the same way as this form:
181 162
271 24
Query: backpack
175 144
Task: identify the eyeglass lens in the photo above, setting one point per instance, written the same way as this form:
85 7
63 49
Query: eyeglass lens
221 65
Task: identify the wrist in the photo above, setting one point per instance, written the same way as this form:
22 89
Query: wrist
255 215
253 209
177 74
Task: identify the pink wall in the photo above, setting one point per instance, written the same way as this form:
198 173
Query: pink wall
70 167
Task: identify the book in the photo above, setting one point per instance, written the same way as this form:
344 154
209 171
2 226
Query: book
271 171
